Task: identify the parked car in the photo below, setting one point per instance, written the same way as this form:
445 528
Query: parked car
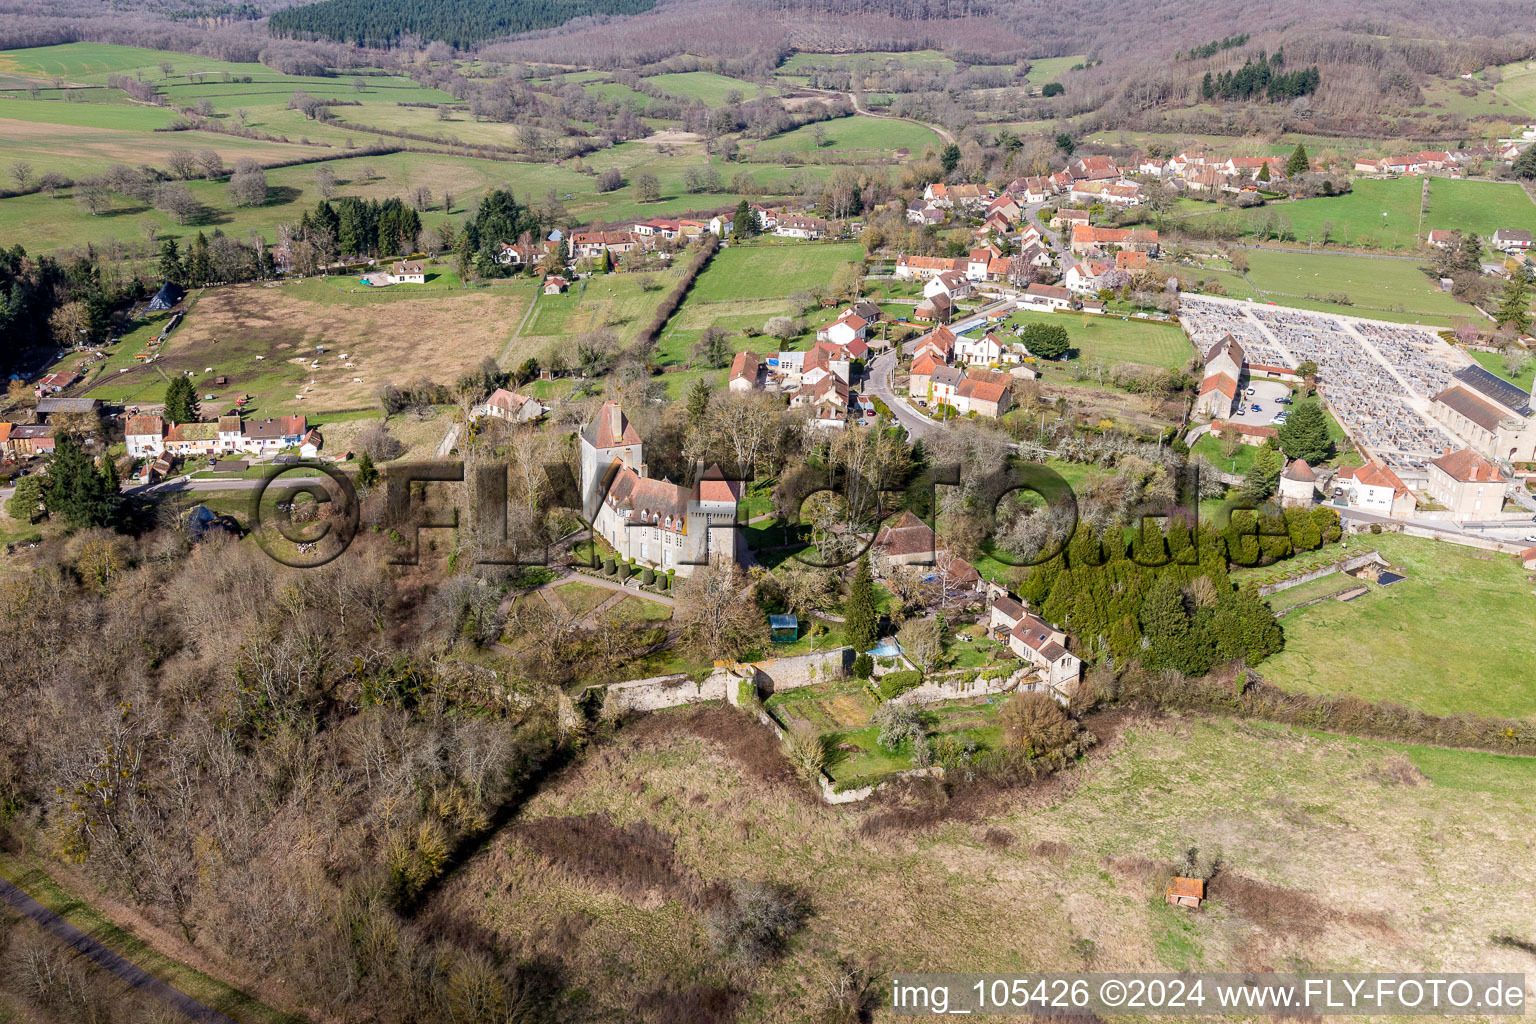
1250 392
1256 407
1530 538
1285 401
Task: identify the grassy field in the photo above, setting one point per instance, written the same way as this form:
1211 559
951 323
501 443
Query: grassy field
1395 644
262 338
1049 69
707 86
1065 875
771 271
1481 207
1373 284
854 133
1519 85
1493 362
616 301
1115 340
1356 219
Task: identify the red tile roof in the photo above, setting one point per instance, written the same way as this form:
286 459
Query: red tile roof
1469 467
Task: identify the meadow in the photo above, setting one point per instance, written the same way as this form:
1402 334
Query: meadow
1117 340
1070 872
1385 213
1373 284
1048 69
618 302
769 271
712 89
1475 605
854 133
1519 85
262 338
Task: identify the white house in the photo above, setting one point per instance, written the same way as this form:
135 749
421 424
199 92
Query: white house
1037 642
408 272
1373 488
953 284
979 351
145 436
1047 296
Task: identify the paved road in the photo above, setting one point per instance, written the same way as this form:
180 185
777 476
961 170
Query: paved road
107 959
880 372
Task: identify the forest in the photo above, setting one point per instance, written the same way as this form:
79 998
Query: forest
461 23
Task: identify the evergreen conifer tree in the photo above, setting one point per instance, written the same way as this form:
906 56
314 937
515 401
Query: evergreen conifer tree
859 629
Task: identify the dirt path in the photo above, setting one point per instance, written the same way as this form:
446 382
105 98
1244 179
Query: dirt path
946 136
107 959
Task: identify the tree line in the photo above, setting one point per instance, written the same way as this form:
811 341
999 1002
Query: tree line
462 23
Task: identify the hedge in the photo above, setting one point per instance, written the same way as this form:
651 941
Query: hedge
894 684
646 339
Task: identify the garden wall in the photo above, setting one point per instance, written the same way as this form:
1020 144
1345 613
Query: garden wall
802 669
1345 565
657 692
935 689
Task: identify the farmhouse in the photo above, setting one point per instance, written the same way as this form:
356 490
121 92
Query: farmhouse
921 268
952 284
26 439
849 326
1037 642
1508 240
984 394
512 407
1068 218
660 524
906 540
145 435
1047 296
1093 168
746 372
1086 238
795 226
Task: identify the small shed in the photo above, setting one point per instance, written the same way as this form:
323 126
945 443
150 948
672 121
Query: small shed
783 629
1184 892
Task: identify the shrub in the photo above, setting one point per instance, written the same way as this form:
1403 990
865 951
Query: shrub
608 566
648 576
806 752
894 684
863 666
898 723
754 922
1035 722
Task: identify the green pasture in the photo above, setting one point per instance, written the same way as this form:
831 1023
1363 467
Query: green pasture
1114 339
856 133
1373 284
1393 644
772 271
710 88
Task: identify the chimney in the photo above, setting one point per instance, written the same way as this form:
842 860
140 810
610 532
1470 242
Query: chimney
615 421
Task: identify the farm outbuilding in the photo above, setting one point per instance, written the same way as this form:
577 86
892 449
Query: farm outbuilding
1184 892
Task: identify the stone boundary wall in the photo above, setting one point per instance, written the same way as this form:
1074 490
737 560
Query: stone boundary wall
657 692
1343 565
